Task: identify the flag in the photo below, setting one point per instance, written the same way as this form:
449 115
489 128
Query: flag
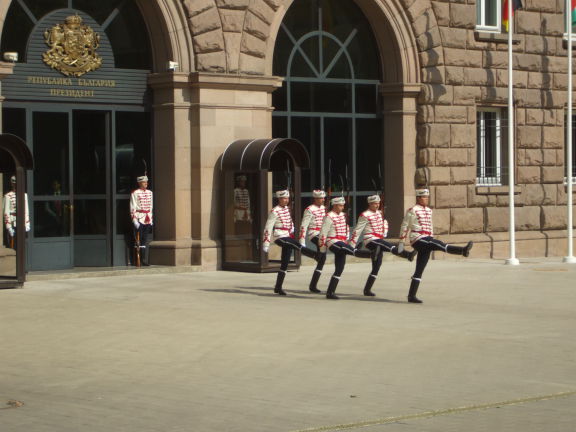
517 4
573 12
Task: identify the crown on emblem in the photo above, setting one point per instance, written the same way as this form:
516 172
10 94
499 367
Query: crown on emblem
74 20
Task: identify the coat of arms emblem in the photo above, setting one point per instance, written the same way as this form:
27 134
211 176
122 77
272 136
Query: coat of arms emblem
72 47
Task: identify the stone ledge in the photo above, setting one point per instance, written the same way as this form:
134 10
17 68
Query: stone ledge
485 36
497 190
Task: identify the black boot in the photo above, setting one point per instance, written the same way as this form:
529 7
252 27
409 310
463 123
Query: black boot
407 255
332 288
144 253
310 253
315 277
279 281
413 290
467 248
368 287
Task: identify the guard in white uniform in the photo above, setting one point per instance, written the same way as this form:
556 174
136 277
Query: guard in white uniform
334 236
280 230
418 225
242 212
375 228
9 208
310 229
141 208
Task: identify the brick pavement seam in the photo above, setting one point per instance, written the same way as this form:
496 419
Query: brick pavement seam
435 413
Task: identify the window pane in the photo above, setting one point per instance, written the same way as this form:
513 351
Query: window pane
491 13
51 153
90 141
368 154
367 99
307 131
128 35
17 28
39 8
14 122
51 218
315 97
90 217
133 153
99 10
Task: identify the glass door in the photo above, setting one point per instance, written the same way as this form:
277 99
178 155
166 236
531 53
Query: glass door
52 208
91 148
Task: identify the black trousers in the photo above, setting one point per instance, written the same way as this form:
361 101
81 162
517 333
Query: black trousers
425 246
377 247
288 244
144 230
340 250
321 258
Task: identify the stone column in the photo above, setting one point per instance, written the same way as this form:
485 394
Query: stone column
196 116
399 111
171 169
224 108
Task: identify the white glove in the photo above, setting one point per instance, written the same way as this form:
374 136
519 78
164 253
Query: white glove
265 249
303 242
400 247
11 232
136 224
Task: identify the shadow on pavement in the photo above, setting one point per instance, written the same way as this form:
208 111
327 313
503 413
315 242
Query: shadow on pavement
297 294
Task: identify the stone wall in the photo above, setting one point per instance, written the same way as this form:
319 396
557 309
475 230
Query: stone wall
462 70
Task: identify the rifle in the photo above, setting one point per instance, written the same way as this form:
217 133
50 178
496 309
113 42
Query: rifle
289 186
329 190
349 204
137 250
381 207
11 241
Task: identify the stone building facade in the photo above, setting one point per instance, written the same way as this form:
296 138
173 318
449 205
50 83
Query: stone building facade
438 71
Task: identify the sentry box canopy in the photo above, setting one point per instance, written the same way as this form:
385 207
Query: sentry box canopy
252 170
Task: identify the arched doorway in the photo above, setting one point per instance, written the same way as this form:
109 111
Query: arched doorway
79 97
330 99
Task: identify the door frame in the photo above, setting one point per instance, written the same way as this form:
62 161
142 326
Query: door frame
113 237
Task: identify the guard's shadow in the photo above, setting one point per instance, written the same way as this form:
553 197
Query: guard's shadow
299 294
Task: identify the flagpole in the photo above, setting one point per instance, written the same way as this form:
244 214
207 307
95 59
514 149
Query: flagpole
569 258
512 228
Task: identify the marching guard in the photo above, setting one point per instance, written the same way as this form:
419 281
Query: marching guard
310 229
418 223
375 228
280 230
334 235
10 212
141 207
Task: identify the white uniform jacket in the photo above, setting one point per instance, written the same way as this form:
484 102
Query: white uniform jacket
278 225
372 224
311 222
334 229
417 222
10 211
141 206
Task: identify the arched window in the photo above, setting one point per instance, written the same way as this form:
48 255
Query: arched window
120 19
326 51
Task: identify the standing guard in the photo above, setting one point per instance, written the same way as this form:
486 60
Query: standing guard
418 222
310 229
375 228
280 229
242 212
334 235
141 206
10 213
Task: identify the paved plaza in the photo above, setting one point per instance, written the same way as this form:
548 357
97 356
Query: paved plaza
491 349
